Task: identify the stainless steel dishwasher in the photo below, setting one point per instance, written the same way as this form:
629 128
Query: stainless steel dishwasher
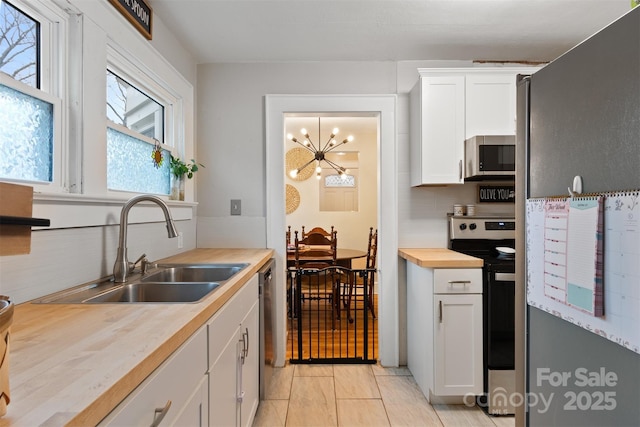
266 279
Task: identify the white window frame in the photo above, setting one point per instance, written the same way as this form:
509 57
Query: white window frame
54 40
146 81
143 79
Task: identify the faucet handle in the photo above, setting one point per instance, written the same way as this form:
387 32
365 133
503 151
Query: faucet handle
132 265
146 264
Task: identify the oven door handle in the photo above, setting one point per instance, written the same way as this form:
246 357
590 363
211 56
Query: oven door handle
505 277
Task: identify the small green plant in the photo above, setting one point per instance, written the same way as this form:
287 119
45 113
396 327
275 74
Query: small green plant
179 168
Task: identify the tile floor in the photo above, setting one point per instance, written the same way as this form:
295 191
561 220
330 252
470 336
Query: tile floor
358 395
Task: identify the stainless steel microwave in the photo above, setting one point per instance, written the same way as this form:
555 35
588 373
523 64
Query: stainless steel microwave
490 157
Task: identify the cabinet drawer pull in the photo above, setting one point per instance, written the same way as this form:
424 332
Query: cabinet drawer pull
160 413
459 282
440 306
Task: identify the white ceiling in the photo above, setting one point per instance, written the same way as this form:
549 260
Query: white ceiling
383 30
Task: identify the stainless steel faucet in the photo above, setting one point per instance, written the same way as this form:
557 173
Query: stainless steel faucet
122 266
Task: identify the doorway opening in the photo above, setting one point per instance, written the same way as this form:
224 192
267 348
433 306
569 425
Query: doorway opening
383 108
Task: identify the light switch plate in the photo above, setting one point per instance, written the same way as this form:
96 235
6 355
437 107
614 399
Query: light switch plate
236 206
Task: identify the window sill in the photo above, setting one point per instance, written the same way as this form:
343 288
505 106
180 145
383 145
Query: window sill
76 210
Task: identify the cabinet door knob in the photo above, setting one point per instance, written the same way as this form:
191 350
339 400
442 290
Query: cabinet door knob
160 413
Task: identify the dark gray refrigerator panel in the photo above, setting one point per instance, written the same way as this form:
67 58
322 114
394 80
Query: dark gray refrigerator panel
584 119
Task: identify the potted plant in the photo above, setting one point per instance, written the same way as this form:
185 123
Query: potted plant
180 169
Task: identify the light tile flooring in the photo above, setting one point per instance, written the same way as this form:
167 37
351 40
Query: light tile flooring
358 395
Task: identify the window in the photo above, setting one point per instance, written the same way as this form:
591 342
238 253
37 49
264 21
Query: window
30 112
19 45
135 131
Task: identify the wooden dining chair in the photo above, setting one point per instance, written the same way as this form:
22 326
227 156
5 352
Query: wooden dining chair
288 236
368 279
313 254
318 230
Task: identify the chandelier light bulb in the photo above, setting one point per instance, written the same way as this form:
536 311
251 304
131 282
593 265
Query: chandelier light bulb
290 137
303 131
318 169
335 131
318 175
333 142
293 173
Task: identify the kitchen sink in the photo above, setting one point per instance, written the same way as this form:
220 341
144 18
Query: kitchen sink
194 273
156 292
169 283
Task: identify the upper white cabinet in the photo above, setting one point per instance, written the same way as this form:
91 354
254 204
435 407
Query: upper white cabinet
437 128
490 104
449 105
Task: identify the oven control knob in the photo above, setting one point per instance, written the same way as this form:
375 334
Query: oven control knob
472 226
463 226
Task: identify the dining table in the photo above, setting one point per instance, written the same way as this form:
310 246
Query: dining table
344 256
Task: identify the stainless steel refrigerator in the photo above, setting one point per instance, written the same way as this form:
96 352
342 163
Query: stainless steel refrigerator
579 115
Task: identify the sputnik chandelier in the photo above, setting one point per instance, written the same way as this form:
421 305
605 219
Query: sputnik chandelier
319 152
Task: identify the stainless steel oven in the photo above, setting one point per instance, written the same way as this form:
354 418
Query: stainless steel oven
493 240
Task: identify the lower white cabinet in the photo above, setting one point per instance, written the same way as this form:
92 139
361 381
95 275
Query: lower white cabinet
444 330
174 391
233 363
212 379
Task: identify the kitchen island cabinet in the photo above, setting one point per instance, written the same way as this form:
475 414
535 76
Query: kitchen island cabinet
444 323
73 364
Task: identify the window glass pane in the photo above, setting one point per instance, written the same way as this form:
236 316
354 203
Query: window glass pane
26 136
130 165
343 180
129 107
19 38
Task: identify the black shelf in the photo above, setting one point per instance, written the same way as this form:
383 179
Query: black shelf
21 220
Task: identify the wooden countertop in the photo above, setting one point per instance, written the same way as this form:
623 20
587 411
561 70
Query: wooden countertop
439 258
71 364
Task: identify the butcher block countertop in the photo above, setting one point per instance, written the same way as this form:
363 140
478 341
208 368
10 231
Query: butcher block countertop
439 258
71 364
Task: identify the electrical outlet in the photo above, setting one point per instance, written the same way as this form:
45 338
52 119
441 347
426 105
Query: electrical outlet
180 240
236 207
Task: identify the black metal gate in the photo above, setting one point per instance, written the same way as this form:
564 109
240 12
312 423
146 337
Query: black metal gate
331 316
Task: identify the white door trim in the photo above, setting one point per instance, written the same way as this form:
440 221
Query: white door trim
276 106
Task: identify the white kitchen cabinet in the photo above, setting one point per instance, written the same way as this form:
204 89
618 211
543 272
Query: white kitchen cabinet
233 359
444 331
175 385
450 105
490 103
437 130
457 344
212 379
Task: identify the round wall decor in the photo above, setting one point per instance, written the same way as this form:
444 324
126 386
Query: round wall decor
292 198
298 157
